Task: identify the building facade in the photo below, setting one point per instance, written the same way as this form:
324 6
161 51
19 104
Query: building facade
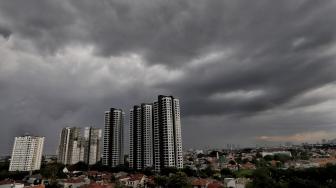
27 153
113 152
71 147
141 137
167 133
155 135
92 138
75 147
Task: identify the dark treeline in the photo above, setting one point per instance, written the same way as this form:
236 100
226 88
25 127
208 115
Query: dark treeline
323 177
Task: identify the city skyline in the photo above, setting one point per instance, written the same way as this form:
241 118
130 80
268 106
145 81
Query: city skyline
263 71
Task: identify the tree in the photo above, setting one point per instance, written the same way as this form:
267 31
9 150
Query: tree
80 166
99 167
168 170
189 172
262 179
232 162
214 153
227 173
53 171
268 157
208 171
179 179
148 171
282 158
261 163
161 181
200 155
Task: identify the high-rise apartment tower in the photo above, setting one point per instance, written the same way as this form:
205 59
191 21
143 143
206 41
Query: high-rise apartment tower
155 134
113 152
141 137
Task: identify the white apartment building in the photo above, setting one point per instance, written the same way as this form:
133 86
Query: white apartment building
177 133
113 153
167 133
27 153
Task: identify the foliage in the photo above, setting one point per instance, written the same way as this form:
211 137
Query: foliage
169 170
189 172
53 171
161 180
208 171
227 173
200 155
80 166
99 167
282 158
148 171
268 158
4 173
261 163
214 153
179 179
323 177
246 173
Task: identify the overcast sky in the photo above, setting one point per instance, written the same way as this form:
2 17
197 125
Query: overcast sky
246 72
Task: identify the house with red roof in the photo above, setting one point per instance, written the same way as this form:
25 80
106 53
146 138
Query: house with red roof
134 180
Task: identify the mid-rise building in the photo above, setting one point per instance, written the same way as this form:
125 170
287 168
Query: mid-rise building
71 147
92 138
155 135
141 137
27 153
113 152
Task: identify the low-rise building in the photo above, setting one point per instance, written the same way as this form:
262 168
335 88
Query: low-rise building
199 183
135 181
7 183
74 182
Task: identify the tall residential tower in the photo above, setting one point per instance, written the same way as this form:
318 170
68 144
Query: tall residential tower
141 136
113 153
155 135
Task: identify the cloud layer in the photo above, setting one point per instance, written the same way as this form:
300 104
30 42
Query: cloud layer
242 69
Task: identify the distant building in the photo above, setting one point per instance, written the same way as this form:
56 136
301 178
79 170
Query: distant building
92 138
74 147
288 153
71 147
27 153
113 153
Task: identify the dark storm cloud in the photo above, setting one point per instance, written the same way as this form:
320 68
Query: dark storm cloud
4 32
173 32
66 62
